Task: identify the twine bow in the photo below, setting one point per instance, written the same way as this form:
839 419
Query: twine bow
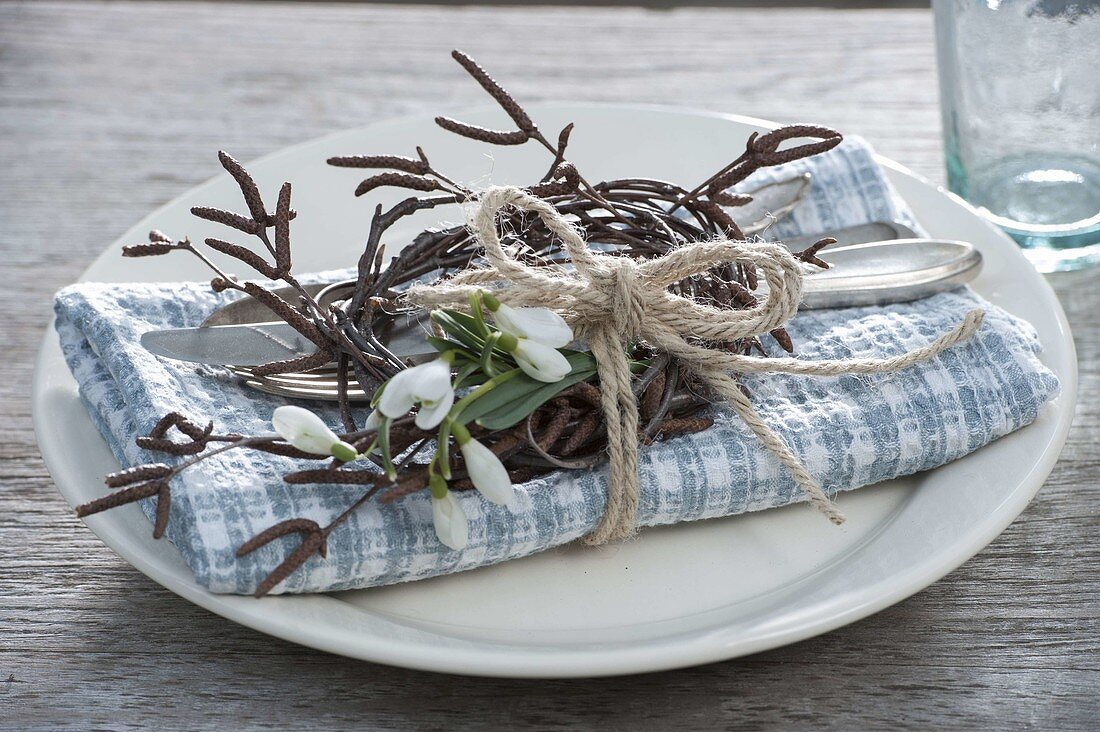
612 300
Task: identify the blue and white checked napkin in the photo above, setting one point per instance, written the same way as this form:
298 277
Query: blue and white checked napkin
850 431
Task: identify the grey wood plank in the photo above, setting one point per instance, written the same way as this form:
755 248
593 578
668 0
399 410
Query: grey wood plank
110 109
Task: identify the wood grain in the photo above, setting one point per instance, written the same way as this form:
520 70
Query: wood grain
109 110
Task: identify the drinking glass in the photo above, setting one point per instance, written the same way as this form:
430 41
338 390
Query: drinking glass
1020 95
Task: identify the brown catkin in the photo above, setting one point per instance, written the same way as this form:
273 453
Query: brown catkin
290 526
228 218
399 180
127 495
312 544
137 474
249 257
482 134
338 477
147 250
282 230
393 162
164 510
159 444
248 186
496 91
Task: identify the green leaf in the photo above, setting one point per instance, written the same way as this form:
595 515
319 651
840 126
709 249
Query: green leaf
466 320
579 359
446 344
487 354
458 326
518 397
464 373
478 314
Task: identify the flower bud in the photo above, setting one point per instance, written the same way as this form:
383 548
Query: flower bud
486 472
541 362
451 526
306 431
541 325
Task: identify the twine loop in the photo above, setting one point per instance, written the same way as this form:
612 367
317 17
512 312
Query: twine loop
613 300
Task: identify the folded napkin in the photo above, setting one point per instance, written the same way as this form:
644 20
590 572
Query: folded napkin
850 431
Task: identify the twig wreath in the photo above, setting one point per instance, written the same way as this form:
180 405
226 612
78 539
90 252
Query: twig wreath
657 279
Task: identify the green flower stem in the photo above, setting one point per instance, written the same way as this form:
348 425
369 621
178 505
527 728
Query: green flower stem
481 391
450 422
438 485
344 452
462 435
490 301
384 446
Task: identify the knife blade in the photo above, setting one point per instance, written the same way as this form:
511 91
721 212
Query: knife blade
254 344
872 273
229 345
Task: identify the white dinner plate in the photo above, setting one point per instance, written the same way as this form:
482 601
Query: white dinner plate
676 596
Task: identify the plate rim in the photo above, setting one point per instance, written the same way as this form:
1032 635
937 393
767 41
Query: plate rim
275 615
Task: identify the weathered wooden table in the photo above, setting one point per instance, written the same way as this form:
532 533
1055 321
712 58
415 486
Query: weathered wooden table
109 110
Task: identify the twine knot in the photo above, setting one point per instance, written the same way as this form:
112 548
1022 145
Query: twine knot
612 300
626 300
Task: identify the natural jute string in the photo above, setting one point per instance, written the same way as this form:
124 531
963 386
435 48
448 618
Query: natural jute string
611 301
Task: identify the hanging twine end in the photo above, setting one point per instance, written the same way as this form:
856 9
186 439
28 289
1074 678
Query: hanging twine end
822 502
972 322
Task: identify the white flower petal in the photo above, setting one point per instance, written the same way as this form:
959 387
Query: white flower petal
450 521
430 381
428 384
541 362
431 414
487 473
397 396
539 324
373 421
303 429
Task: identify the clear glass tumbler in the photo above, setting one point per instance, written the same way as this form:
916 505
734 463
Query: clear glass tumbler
1020 93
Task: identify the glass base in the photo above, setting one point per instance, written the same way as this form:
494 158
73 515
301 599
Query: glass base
1050 205
1052 259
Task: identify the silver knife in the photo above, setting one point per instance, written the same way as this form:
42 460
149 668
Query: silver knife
871 273
253 344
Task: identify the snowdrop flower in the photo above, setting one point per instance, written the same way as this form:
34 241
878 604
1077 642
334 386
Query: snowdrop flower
540 362
450 522
373 422
428 385
306 431
540 325
486 471
532 336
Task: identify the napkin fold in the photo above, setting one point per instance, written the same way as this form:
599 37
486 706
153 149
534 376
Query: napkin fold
850 431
